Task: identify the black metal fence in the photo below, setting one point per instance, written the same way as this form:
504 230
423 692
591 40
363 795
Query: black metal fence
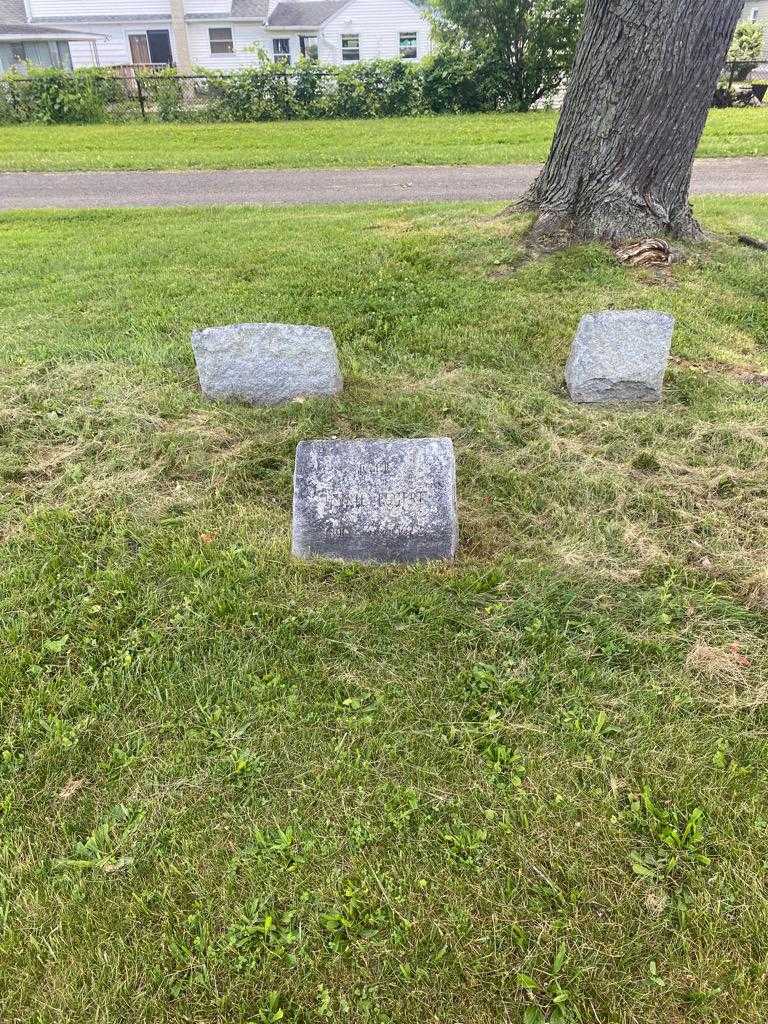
269 93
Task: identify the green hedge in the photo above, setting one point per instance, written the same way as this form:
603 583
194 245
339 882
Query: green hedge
52 96
448 81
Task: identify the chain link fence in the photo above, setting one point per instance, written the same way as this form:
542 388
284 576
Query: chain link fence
272 93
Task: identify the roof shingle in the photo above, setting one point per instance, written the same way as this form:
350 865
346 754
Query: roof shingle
12 12
304 15
256 9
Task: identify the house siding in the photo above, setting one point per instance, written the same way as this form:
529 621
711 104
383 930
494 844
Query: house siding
377 22
761 6
113 48
208 7
133 10
246 37
379 26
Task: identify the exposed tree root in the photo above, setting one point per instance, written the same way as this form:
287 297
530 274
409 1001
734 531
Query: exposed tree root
753 243
614 223
601 212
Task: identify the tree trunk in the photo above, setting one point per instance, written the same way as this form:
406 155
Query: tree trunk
643 80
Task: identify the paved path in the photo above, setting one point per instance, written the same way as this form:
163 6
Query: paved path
77 189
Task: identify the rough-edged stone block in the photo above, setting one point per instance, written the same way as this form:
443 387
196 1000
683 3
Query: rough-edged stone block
266 364
375 501
620 356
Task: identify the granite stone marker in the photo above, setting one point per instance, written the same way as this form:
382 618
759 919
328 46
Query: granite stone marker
266 364
620 356
375 501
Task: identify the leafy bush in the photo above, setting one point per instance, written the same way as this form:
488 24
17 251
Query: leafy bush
747 42
450 81
261 93
163 90
457 81
381 88
53 96
524 48
310 88
739 95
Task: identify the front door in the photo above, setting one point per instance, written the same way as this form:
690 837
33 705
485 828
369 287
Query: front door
160 46
139 48
308 46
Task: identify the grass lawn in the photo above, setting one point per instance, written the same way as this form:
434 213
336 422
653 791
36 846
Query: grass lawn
460 139
235 786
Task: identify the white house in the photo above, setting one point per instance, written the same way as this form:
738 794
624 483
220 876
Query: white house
227 35
46 45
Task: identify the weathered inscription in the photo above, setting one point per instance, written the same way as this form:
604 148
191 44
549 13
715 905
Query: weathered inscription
375 501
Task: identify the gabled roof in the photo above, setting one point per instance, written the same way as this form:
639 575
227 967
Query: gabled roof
14 25
256 9
12 12
311 14
18 33
241 10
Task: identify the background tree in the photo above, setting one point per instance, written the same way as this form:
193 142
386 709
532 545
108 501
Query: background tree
528 44
643 79
747 42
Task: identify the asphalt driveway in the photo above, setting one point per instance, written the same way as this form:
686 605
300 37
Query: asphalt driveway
742 176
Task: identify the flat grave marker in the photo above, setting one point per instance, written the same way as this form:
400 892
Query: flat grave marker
375 501
620 356
266 364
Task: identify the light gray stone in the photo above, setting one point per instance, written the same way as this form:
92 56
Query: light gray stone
620 356
266 364
375 501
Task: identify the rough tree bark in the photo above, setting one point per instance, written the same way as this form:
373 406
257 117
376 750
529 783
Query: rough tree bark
642 84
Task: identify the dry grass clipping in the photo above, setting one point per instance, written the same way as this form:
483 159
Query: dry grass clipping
727 670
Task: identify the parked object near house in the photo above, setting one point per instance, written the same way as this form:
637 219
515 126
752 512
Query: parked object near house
228 35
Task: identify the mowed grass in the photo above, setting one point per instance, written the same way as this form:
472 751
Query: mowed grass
455 139
526 787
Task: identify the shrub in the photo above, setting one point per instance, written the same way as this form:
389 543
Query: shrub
54 96
456 81
451 81
311 89
747 42
255 94
163 90
388 88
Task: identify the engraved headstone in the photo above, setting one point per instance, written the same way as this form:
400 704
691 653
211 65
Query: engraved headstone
266 364
375 501
620 356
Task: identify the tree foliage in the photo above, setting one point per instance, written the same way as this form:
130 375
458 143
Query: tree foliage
531 42
747 42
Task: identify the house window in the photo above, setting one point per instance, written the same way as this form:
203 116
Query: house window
755 13
308 47
151 47
42 52
221 40
409 45
350 47
281 48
